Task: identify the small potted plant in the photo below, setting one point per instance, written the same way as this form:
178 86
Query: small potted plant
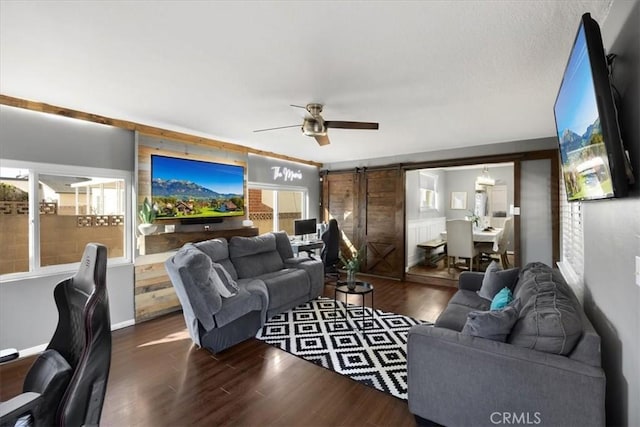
475 219
147 215
352 265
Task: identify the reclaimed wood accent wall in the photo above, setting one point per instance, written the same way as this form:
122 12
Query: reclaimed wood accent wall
154 293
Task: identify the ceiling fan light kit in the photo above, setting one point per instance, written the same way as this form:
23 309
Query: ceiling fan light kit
315 125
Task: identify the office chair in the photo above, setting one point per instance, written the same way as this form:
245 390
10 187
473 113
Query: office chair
329 254
66 384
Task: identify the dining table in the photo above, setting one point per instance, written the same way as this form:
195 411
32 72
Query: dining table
484 235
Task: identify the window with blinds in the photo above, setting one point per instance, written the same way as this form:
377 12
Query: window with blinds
572 261
428 191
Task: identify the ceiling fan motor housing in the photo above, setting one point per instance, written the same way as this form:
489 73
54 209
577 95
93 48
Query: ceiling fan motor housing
314 126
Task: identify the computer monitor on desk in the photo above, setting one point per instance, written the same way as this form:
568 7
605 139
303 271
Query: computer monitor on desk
304 228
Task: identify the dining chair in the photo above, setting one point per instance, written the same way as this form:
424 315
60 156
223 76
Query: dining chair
487 247
460 243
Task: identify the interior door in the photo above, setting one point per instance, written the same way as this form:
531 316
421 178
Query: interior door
339 201
384 222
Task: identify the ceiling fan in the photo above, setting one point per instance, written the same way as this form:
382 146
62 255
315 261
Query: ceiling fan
314 125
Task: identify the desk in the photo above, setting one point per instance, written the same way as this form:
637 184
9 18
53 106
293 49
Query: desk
308 246
487 236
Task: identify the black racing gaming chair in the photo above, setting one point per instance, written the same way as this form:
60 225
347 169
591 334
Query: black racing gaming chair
329 254
67 383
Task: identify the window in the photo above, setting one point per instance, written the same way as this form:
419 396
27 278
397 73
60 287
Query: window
48 213
428 191
572 260
273 209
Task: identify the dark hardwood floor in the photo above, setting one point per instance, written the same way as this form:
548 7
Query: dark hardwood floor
159 378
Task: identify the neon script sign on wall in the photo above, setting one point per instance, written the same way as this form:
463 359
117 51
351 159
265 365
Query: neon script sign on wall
285 174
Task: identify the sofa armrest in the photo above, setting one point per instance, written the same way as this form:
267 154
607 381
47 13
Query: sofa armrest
470 280
495 378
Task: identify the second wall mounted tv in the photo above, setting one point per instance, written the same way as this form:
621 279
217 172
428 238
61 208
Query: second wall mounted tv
195 189
594 164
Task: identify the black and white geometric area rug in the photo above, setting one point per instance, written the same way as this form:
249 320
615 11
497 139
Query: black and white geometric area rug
376 358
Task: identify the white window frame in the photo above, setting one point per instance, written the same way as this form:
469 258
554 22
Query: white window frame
35 169
424 184
571 263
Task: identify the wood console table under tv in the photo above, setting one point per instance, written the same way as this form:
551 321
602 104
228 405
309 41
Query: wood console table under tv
154 293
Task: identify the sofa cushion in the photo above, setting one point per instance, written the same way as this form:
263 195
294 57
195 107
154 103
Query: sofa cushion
286 285
502 299
494 325
461 304
218 251
495 279
550 318
254 256
283 245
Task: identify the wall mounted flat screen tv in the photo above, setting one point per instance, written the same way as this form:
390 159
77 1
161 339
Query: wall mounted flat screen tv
594 164
194 189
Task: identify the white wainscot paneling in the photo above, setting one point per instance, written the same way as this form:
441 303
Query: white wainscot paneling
422 230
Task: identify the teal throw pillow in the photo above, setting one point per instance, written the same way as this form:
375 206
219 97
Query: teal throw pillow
502 299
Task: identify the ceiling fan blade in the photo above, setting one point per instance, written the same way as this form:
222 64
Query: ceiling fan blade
280 127
351 125
297 106
322 139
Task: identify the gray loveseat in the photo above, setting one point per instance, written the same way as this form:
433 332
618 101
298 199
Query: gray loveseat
546 372
266 276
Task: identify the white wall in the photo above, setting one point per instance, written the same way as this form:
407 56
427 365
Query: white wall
28 315
612 235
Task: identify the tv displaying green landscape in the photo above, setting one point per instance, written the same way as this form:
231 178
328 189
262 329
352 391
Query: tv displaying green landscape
192 189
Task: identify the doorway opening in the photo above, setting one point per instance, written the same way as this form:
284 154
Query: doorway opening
481 193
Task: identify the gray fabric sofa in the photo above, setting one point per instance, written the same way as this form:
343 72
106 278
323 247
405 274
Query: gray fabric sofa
547 372
268 280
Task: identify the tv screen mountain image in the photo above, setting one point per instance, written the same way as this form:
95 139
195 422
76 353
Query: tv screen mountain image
585 163
186 188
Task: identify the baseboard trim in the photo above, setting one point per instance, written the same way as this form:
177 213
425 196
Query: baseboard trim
124 324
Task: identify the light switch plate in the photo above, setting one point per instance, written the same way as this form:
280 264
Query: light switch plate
638 270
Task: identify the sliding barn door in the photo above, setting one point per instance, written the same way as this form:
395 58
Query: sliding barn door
340 201
384 223
369 206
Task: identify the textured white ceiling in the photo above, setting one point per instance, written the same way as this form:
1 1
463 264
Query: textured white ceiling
434 74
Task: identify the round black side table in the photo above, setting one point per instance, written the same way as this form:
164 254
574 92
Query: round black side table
354 288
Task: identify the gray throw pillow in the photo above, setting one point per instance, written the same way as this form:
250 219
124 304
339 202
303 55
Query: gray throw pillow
493 325
495 279
226 286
